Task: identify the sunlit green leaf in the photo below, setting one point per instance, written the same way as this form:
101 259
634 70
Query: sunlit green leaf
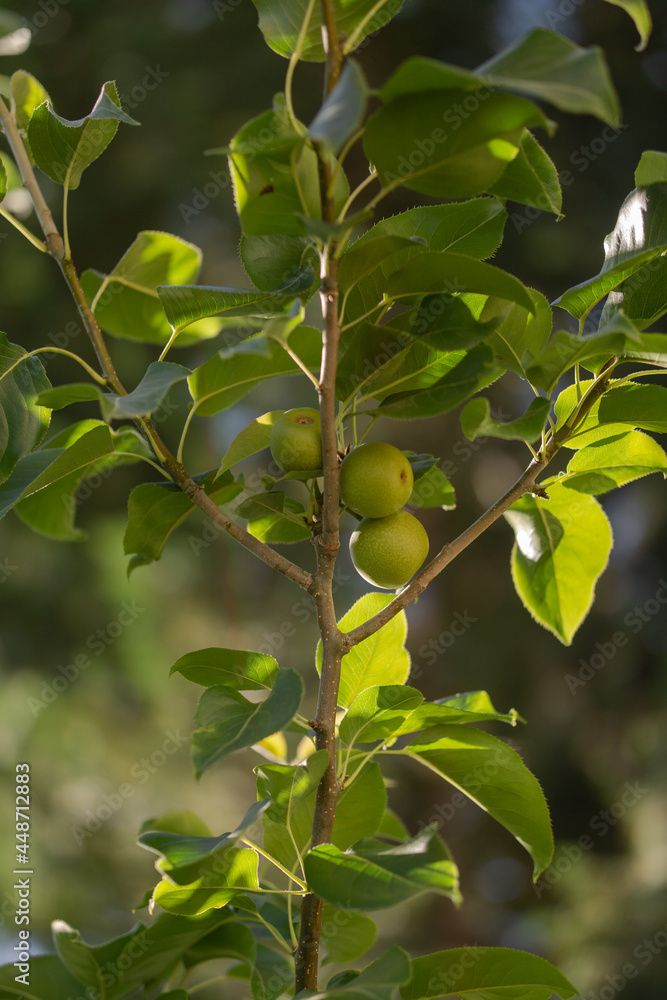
562 546
601 467
23 422
477 420
253 438
224 876
493 775
232 668
531 178
651 169
347 935
641 15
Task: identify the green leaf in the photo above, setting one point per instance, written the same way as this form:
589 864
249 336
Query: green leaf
274 261
227 377
253 438
652 168
476 420
642 296
431 489
23 421
641 15
288 821
226 875
564 350
652 347
231 940
91 441
281 527
485 974
435 273
379 981
275 176
474 228
63 149
280 22
519 335
231 668
346 934
361 806
228 722
27 94
473 372
343 110
149 394
643 406
386 712
561 548
182 858
640 235
49 979
187 304
260 504
126 301
64 395
490 773
382 656
426 142
90 964
547 65
157 509
531 178
374 875
601 467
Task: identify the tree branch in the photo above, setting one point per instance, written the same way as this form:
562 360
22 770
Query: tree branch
327 543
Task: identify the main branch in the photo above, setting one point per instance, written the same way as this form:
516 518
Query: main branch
327 542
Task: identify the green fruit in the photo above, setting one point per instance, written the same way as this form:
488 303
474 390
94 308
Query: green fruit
376 479
296 442
388 551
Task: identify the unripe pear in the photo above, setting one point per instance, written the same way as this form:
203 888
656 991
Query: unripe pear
376 479
388 551
296 442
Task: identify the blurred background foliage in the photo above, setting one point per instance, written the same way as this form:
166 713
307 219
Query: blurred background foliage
192 71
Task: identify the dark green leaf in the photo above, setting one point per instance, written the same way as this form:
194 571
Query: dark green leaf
379 981
253 438
343 110
227 377
261 504
346 934
564 350
64 395
281 21
476 420
228 722
374 875
485 974
427 142
531 178
474 372
63 149
231 668
231 940
361 806
157 509
642 296
277 260
562 546
519 335
288 822
23 421
149 394
490 773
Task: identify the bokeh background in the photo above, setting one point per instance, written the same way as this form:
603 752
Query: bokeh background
598 746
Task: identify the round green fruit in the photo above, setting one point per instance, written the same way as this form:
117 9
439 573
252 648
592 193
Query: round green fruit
296 442
375 479
388 551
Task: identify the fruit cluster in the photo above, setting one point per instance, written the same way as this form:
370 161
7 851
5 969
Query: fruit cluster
389 544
